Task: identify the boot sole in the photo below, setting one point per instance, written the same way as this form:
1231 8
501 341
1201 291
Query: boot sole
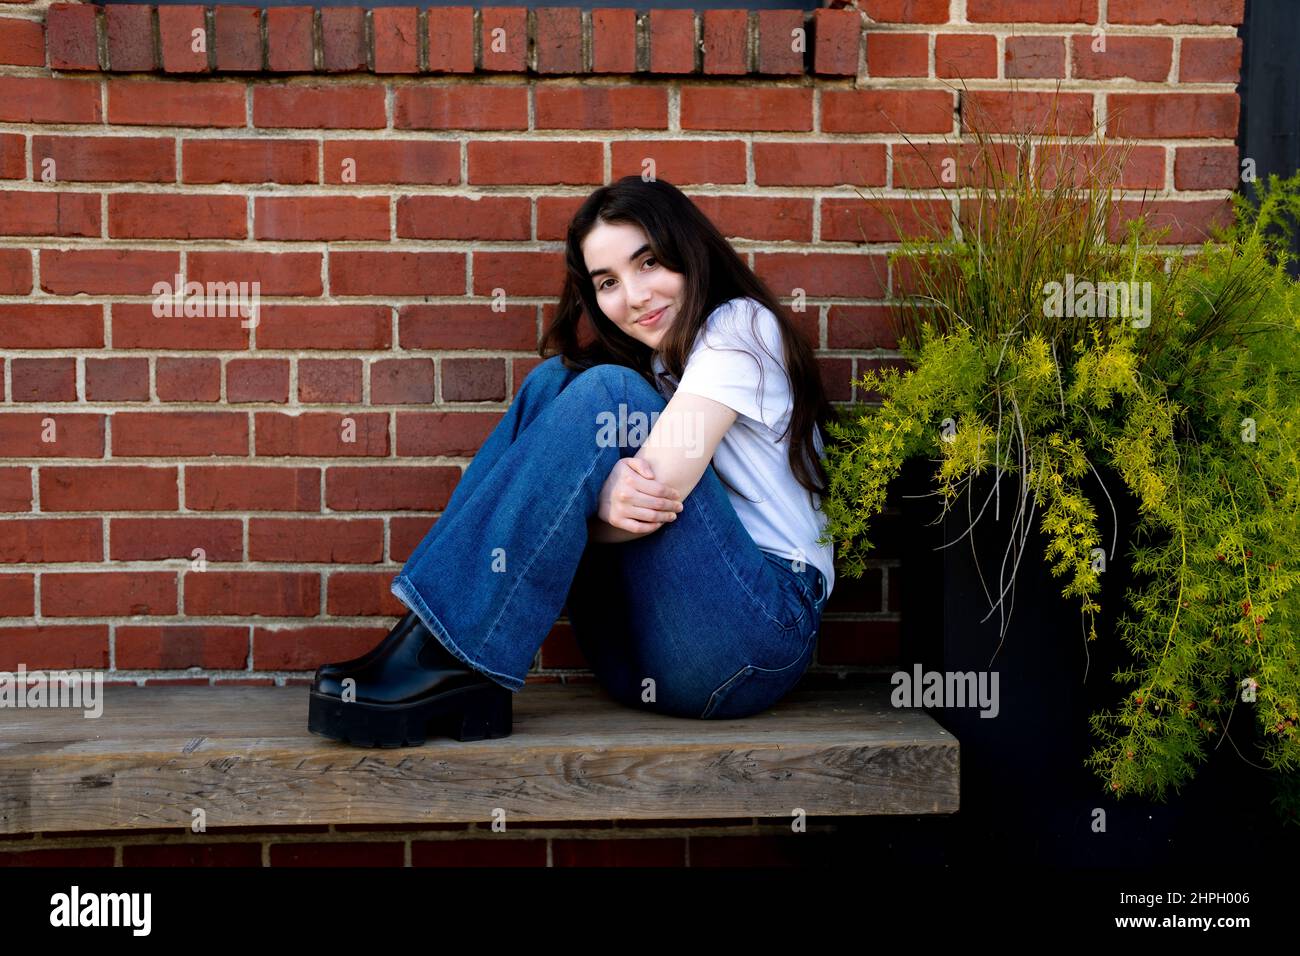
470 713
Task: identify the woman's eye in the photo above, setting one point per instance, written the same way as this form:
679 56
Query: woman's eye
649 259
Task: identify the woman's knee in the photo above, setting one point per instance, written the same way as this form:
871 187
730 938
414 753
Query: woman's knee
615 383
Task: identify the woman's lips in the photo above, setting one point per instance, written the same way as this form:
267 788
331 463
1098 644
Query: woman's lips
652 318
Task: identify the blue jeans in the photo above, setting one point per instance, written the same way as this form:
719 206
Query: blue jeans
691 620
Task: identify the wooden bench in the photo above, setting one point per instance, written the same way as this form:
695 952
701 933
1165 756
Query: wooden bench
244 757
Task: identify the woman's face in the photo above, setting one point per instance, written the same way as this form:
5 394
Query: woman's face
630 284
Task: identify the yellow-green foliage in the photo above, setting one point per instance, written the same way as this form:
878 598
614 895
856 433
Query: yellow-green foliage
993 383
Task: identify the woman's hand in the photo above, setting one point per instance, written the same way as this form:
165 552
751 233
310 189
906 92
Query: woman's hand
632 500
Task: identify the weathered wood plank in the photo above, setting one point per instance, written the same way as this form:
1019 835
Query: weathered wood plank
243 755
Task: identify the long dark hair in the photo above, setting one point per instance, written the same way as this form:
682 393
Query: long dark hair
683 240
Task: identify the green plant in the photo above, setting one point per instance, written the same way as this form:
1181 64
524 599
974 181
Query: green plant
1192 399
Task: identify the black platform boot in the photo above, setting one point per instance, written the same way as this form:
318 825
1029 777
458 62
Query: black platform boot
412 687
340 667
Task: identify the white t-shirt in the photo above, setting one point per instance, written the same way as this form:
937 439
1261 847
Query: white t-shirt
781 515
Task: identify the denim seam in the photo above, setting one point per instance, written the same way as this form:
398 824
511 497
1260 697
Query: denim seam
749 670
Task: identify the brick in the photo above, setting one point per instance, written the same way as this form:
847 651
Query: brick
320 218
279 273
117 380
73 435
726 42
1035 57
105 271
837 35
257 380
518 273
238 38
466 327
969 56
219 854
108 593
1021 111
401 382
360 593
776 53
535 162
343 39
1032 11
15 276
22 42
46 214
107 159
1210 60
613 41
188 379
760 217
336 854
209 104
601 107
322 434
671 35
157 539
378 487
1141 167
392 161
177 26
681 162
820 164
473 380
852 220
136 327
181 646
898 54
246 593
1206 167
317 540
18 599
37 326
366 327
49 540
752 109
71 36
1188 222
558 39
907 11
38 99
289 41
461 107
242 488
397 273
505 39
1201 12
45 646
451 39
43 379
323 107
180 434
430 434
823 274
130 38
1172 115
249 161
13 158
397 39
171 216
1137 58
887 111
330 381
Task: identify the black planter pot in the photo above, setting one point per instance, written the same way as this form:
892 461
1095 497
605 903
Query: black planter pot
1026 795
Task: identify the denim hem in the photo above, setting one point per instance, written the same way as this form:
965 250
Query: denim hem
403 589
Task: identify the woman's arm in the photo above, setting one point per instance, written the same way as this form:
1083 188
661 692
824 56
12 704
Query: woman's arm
679 449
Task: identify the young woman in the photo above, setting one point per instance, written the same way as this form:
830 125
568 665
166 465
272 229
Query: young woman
659 474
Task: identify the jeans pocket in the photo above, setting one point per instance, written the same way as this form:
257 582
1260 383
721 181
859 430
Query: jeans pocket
752 689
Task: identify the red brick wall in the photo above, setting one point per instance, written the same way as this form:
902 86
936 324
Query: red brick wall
124 162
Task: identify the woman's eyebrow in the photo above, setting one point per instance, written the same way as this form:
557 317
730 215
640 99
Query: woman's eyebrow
632 258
